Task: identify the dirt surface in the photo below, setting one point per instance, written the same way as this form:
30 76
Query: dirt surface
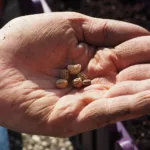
139 129
135 11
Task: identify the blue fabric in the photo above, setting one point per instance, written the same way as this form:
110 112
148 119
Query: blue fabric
4 142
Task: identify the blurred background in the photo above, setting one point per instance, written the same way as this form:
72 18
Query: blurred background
134 11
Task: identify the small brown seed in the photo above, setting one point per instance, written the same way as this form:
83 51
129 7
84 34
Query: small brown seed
61 83
74 69
86 82
64 74
82 75
77 82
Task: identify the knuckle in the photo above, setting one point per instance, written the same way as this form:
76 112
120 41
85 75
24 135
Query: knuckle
105 31
102 117
107 108
116 111
142 102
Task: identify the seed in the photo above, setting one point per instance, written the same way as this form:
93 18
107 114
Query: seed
61 83
74 69
82 75
77 82
64 74
86 82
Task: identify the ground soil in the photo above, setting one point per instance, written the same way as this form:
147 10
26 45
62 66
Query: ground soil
139 129
135 11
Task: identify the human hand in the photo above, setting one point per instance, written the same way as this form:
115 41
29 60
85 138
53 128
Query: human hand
34 49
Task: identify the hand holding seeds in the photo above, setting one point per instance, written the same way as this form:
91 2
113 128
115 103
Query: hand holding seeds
32 50
73 75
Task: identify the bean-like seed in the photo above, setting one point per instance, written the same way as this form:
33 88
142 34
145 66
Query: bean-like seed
86 82
77 83
61 83
64 74
74 69
82 75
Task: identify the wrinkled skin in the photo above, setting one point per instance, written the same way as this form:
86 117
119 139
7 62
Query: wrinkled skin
34 49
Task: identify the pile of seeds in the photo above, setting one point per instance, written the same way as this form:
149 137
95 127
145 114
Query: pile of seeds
74 76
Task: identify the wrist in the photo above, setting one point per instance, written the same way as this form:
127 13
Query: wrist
4 96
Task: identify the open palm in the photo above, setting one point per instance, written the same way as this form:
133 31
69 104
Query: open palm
35 49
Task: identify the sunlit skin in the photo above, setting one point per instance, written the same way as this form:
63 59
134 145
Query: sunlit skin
34 49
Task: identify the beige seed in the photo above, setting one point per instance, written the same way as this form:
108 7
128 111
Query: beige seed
77 82
86 82
74 69
64 74
61 83
82 75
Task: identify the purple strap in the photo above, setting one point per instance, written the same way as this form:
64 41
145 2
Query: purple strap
37 5
41 6
126 142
